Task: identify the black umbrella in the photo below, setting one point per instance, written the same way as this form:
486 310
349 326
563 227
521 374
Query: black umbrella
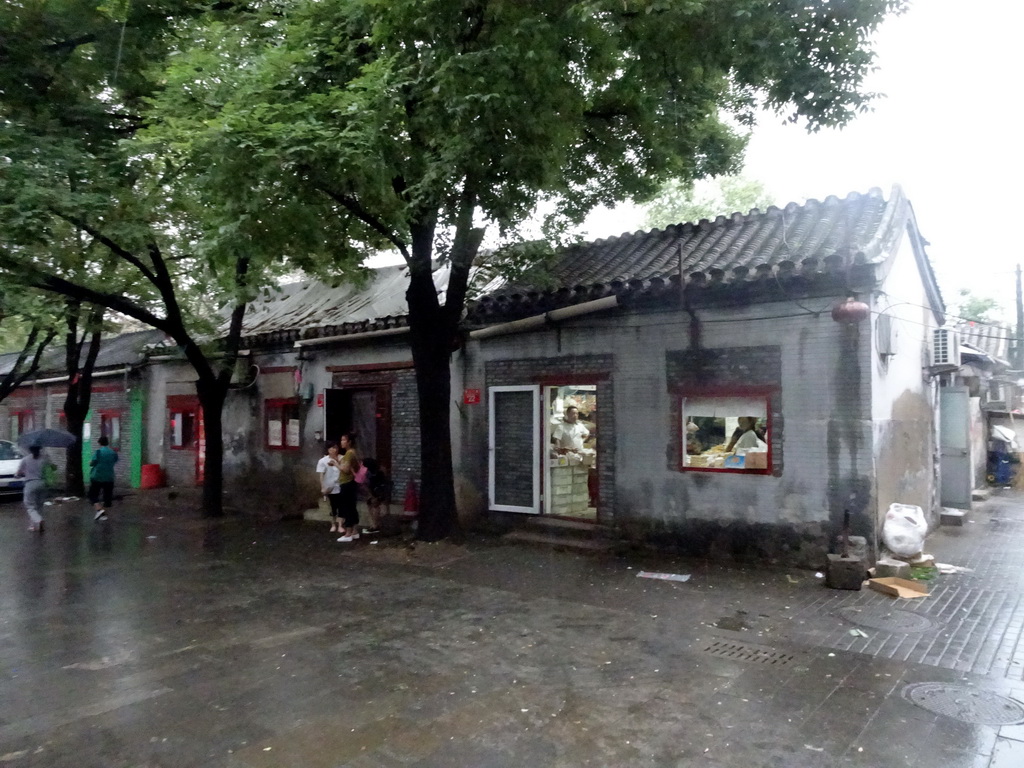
46 438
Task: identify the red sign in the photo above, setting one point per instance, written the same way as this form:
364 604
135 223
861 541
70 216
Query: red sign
320 400
471 396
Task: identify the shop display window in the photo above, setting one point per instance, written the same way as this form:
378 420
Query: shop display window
725 433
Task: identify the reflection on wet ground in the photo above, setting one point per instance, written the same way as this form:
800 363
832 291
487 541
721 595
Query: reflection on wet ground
161 639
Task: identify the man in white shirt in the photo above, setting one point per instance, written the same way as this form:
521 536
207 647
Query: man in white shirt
570 434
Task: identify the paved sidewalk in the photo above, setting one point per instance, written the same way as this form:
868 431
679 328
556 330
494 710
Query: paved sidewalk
161 639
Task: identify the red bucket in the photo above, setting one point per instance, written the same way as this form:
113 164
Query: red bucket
152 476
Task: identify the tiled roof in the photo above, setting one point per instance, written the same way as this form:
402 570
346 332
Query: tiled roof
813 238
311 309
993 339
115 352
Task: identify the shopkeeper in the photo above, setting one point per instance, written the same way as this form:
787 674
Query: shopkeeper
570 434
745 435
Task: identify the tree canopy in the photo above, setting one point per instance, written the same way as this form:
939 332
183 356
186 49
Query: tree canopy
678 202
236 140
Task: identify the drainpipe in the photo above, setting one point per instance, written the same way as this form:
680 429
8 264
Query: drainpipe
539 321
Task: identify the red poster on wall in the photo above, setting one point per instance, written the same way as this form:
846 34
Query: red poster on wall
471 396
200 448
320 400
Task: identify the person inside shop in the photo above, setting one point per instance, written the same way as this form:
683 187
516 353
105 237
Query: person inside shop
569 435
746 435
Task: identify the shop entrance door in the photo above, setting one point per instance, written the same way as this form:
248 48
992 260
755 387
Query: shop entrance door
571 487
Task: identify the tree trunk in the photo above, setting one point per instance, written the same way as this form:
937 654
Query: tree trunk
74 479
212 395
430 339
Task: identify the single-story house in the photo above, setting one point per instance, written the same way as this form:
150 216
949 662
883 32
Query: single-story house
116 405
807 333
671 343
316 361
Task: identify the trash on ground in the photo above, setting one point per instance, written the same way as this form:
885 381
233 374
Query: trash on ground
896 587
47 503
814 749
923 572
819 575
947 569
904 529
664 576
858 633
925 560
791 580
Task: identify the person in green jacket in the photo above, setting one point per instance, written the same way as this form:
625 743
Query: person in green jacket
101 479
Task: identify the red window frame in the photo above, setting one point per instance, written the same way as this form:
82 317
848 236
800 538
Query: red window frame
764 393
283 408
26 422
188 417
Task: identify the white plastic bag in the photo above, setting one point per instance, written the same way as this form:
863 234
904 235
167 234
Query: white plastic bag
904 529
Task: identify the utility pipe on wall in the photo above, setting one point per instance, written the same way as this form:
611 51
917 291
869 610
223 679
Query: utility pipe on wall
351 337
100 375
539 321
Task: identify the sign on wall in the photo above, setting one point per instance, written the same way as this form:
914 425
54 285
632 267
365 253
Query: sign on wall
471 396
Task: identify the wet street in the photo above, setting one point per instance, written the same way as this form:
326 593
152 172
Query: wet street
161 639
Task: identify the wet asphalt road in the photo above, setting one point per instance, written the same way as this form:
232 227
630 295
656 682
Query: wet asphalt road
161 639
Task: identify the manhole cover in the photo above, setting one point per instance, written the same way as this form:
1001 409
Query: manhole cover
969 705
728 649
887 619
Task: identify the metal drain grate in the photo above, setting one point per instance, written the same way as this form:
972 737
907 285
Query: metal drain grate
887 619
968 705
728 649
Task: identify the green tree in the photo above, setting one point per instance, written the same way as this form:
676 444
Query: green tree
419 124
980 309
29 323
86 212
679 202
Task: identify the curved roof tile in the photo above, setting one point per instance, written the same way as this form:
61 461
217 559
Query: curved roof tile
820 235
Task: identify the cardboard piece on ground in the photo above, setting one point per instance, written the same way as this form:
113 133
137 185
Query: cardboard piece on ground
894 586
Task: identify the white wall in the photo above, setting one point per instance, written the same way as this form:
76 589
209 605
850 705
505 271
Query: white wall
903 396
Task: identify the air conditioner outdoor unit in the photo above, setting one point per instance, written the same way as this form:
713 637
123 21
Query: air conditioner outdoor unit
945 348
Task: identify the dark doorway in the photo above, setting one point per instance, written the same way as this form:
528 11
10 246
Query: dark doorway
364 412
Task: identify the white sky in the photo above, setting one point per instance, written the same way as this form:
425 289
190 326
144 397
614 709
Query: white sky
948 132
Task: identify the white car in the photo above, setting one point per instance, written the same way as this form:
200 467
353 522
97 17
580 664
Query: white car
10 458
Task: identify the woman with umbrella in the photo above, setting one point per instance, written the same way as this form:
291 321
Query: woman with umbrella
32 468
34 465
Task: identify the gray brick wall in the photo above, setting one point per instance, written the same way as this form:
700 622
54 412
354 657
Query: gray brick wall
47 402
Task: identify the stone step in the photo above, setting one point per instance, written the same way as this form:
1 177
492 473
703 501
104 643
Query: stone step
952 516
563 542
561 526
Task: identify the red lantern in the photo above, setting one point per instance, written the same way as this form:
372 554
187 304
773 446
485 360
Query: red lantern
850 311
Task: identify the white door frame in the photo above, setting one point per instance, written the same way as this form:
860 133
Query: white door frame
534 458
